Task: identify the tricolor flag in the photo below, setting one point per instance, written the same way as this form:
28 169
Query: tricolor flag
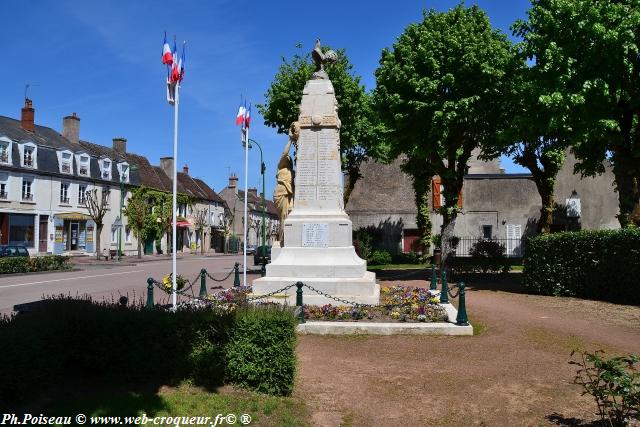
175 71
167 57
242 110
247 117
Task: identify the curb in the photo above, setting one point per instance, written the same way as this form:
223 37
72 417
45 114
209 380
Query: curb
35 273
372 328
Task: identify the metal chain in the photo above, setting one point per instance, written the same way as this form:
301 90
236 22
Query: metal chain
457 293
270 294
220 280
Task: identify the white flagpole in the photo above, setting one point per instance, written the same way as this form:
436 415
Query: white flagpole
246 196
175 197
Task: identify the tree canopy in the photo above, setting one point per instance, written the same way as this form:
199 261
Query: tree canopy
594 47
282 106
441 93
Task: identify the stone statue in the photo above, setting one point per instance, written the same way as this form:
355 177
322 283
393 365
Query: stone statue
283 194
320 59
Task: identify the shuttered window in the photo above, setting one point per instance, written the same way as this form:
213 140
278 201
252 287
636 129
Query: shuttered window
437 191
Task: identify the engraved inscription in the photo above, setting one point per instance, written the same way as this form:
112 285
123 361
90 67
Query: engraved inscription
306 173
305 192
307 146
315 235
328 192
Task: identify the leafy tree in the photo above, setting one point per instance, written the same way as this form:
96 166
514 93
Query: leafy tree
441 94
594 47
199 223
138 212
282 106
97 206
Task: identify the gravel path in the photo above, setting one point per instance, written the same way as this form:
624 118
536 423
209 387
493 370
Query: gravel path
513 373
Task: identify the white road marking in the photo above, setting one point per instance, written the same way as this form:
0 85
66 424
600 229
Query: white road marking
69 278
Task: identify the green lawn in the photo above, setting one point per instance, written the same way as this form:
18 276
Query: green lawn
398 267
188 401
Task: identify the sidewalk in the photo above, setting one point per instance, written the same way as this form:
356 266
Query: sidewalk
133 259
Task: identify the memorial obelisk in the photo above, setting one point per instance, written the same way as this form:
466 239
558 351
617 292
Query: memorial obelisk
318 248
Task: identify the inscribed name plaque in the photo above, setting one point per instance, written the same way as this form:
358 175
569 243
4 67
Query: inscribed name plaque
315 235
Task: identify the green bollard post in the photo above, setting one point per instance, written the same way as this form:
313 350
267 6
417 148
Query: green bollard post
444 292
150 305
434 279
461 318
236 277
203 284
299 285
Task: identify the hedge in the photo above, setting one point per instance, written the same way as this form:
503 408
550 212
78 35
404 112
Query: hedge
10 265
603 264
68 339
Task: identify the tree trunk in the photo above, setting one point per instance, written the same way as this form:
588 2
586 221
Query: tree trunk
627 185
448 225
98 246
139 249
546 212
202 242
421 186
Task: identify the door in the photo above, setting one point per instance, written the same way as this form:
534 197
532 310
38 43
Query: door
44 228
74 236
514 240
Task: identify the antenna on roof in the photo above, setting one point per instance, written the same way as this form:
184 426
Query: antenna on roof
26 89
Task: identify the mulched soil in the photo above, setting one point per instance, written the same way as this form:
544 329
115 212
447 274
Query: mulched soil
515 372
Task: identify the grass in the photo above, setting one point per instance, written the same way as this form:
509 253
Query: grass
188 400
398 267
517 267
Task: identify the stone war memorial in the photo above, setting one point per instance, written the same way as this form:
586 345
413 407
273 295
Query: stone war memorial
317 247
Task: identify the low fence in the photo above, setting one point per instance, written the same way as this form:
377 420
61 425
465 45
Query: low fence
513 247
445 293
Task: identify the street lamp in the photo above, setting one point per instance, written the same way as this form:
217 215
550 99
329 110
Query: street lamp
263 168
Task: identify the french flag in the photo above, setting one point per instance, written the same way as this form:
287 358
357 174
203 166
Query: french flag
167 57
175 71
242 110
247 117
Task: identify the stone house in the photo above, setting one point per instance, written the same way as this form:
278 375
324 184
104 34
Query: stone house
44 178
234 198
495 205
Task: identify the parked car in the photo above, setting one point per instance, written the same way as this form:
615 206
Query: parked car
257 257
13 251
251 249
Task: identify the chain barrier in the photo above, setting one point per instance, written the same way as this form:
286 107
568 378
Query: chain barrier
451 295
270 294
220 280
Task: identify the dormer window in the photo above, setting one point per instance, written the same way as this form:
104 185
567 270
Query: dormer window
106 169
83 165
29 155
5 149
65 162
123 169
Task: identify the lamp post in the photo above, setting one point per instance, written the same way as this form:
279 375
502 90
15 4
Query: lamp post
122 194
263 168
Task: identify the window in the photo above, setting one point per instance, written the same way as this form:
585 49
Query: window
4 152
514 239
64 193
65 165
28 156
82 194
106 169
83 168
123 168
487 232
4 184
21 229
438 200
127 234
27 191
114 235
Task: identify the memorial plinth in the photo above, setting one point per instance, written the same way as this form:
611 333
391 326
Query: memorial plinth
318 248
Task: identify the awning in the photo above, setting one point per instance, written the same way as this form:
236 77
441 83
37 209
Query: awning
74 216
184 224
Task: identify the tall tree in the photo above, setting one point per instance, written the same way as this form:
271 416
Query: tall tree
595 47
138 213
97 206
282 107
199 223
441 93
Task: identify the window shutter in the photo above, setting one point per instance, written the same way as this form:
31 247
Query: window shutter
460 199
435 185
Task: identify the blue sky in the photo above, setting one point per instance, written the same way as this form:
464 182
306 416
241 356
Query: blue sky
102 60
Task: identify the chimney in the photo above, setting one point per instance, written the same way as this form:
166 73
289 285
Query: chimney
233 182
71 128
28 113
185 169
253 191
120 145
166 163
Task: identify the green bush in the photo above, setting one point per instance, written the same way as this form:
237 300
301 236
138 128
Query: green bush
261 352
66 339
601 264
363 243
381 257
407 258
11 265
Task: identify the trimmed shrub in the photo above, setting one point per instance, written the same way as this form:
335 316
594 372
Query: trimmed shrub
11 265
603 264
380 258
407 258
261 352
68 338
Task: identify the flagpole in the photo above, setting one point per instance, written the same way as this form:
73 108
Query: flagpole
245 134
175 191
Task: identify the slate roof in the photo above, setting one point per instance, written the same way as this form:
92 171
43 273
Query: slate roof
49 142
254 203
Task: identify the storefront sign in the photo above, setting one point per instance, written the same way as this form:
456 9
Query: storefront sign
89 234
59 238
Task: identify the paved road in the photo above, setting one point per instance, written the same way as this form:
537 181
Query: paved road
111 281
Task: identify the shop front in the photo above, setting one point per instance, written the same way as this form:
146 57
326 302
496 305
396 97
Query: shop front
17 229
74 232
